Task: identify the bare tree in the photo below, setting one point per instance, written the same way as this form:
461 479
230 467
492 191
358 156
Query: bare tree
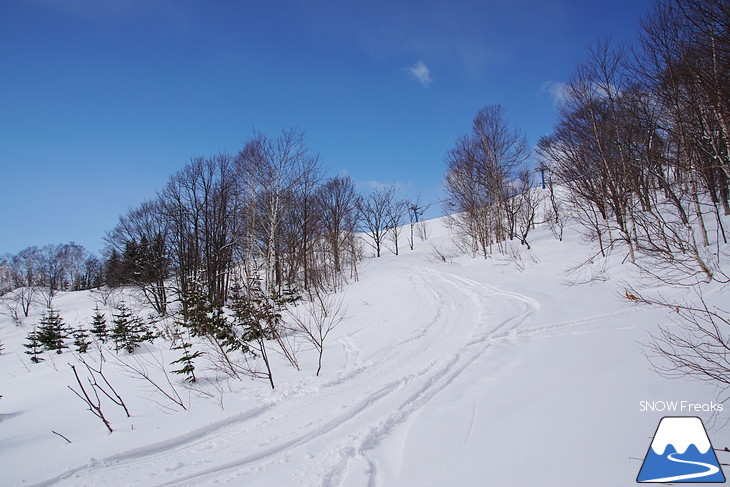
24 280
274 170
182 208
202 205
301 227
528 201
592 149
5 274
141 238
106 388
52 271
641 146
45 271
374 211
93 403
422 231
317 319
480 170
150 369
396 219
337 200
556 214
697 347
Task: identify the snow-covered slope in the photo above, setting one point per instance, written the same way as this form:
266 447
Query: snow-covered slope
453 371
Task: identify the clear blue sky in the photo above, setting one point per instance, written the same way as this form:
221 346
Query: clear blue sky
102 100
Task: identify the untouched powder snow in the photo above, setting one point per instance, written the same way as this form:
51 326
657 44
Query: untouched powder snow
453 371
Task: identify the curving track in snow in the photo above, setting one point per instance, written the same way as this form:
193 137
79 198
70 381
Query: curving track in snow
334 433
711 470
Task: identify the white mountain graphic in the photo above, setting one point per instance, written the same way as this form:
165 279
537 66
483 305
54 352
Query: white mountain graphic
681 432
680 452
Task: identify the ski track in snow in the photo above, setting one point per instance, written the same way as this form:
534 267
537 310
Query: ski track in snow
331 435
711 470
544 328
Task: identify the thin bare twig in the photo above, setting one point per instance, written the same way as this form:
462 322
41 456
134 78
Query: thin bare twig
59 434
94 406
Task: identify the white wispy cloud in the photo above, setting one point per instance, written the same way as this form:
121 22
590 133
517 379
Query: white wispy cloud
420 73
375 185
555 90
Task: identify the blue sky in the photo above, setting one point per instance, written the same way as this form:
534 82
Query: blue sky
102 100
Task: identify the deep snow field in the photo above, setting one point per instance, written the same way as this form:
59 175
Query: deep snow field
463 372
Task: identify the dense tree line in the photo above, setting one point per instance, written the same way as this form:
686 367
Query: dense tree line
643 141
63 267
38 273
642 144
267 212
238 240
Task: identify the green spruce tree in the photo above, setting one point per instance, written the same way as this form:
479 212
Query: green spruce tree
52 331
186 361
98 325
289 296
146 331
123 331
129 330
81 340
255 316
34 346
205 320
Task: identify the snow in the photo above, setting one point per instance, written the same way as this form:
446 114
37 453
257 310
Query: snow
465 372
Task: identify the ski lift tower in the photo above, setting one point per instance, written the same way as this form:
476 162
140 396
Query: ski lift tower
543 168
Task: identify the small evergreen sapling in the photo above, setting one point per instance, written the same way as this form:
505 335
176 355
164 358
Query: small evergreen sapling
34 346
123 331
256 318
129 330
146 331
98 326
290 296
188 367
201 319
52 331
81 340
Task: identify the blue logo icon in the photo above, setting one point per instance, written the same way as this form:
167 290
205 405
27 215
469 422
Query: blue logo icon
681 452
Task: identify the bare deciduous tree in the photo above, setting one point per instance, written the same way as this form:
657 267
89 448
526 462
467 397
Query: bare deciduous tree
150 370
93 403
316 320
337 199
24 274
480 171
374 210
396 219
274 169
696 347
528 201
641 146
141 238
